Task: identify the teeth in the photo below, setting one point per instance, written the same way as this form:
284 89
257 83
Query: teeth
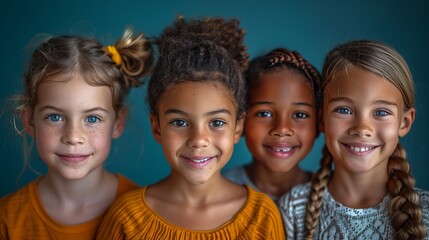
288 149
360 149
201 160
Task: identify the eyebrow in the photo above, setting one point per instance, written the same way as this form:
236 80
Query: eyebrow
380 102
180 112
49 107
270 103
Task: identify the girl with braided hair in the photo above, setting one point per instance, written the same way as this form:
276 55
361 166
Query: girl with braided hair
196 99
73 106
368 104
281 122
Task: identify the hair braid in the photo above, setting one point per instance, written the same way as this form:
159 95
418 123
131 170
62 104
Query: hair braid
318 186
283 58
404 207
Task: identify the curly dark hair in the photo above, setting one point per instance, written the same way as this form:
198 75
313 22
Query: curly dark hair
210 49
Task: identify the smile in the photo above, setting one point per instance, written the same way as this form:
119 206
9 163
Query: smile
201 160
283 150
360 149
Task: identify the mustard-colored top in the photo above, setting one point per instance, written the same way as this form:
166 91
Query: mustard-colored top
131 218
23 217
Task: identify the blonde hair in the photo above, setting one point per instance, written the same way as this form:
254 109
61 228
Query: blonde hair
404 207
66 56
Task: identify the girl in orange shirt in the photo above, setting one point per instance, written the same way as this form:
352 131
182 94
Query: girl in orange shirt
196 98
73 106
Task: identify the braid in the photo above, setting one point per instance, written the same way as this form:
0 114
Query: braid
318 185
404 207
280 58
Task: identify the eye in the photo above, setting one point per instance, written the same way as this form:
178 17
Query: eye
264 114
343 110
381 113
217 123
179 123
301 115
92 119
55 118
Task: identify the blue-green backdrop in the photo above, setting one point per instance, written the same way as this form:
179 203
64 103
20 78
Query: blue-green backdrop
311 27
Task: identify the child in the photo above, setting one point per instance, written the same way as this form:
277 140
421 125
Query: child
280 126
73 105
196 100
368 104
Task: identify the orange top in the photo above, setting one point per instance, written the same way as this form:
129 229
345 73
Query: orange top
23 217
131 218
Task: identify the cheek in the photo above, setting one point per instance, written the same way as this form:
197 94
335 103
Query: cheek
46 137
100 139
254 130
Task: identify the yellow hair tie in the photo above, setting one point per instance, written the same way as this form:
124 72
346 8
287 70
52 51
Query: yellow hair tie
116 57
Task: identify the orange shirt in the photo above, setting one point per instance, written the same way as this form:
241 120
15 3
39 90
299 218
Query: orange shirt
131 218
23 217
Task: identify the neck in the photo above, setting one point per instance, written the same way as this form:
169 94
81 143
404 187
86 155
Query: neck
64 190
275 183
180 190
361 190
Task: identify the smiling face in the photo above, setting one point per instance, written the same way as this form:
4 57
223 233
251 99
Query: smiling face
73 124
280 127
363 118
197 128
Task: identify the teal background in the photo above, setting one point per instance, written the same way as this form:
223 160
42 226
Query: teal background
310 27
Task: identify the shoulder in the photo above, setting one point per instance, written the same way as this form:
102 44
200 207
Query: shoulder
20 197
258 202
125 184
424 204
298 195
237 175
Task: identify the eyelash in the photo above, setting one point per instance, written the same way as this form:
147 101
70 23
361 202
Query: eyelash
183 123
92 119
298 115
377 112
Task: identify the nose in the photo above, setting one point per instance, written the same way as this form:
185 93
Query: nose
73 134
282 127
199 137
362 128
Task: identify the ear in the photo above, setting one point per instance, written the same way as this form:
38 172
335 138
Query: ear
28 122
119 126
407 121
239 127
156 131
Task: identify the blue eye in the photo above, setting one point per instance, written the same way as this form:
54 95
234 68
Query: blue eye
264 114
92 119
217 123
55 117
381 113
179 123
343 110
300 115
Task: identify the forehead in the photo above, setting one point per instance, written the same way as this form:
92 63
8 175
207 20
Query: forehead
285 83
193 96
72 90
356 82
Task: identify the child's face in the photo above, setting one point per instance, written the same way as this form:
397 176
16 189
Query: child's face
73 124
280 127
363 119
197 128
